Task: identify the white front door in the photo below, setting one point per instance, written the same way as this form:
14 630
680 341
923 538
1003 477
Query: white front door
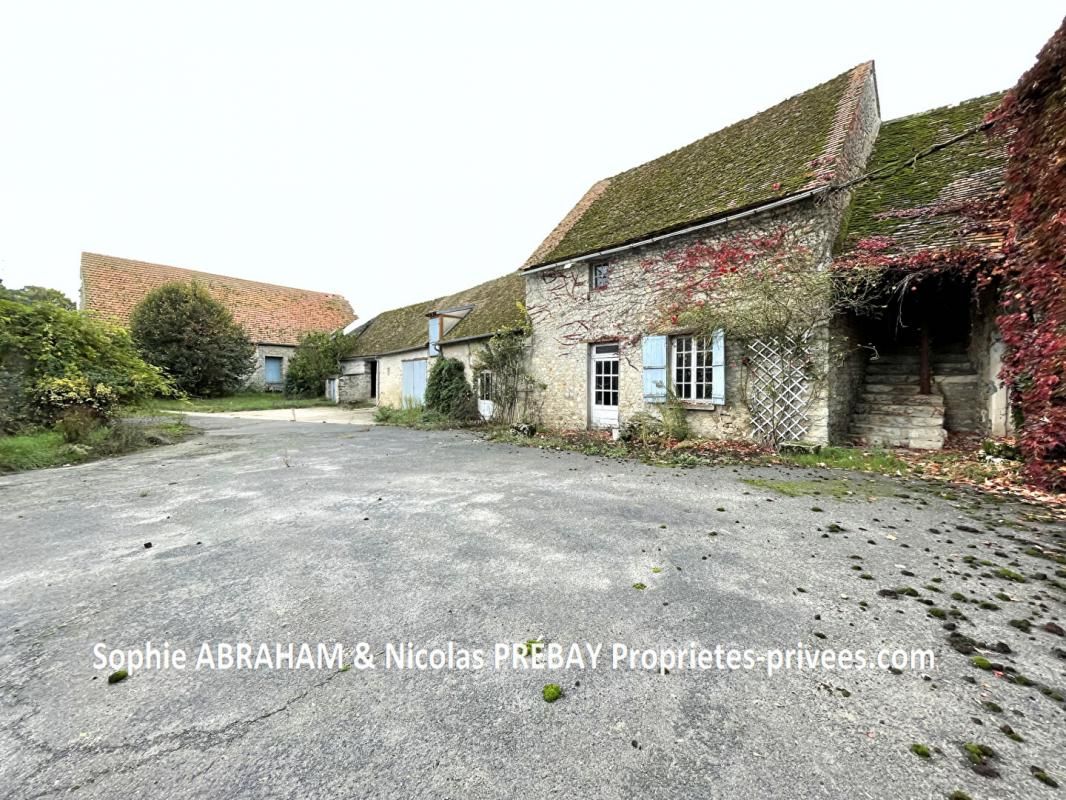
603 385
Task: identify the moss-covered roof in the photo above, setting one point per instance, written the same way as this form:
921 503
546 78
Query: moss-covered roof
494 305
915 201
783 150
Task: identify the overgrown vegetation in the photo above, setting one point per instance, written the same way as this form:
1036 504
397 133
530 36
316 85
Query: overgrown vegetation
51 448
504 363
55 362
414 417
1032 317
64 376
448 392
316 358
181 328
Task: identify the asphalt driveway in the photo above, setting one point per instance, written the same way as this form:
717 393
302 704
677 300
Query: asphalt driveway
288 532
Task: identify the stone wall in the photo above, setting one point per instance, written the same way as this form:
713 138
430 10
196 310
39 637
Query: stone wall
846 377
568 317
990 397
353 386
257 380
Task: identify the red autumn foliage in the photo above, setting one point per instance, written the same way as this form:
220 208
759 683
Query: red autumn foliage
1032 319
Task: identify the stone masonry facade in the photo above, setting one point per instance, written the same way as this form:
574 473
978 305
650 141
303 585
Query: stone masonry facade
568 316
257 380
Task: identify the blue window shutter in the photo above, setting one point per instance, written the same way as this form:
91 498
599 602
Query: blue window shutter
718 368
434 336
654 357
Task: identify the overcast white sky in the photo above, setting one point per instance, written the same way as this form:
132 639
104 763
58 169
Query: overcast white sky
395 152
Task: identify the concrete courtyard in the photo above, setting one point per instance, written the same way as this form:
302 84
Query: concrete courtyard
275 531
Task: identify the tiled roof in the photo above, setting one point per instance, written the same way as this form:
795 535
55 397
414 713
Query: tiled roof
914 201
495 305
269 314
789 148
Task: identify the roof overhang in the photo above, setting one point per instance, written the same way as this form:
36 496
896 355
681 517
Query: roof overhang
566 263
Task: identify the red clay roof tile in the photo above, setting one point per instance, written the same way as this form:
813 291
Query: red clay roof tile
269 314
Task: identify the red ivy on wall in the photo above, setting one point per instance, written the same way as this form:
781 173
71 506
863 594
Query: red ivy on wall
1032 317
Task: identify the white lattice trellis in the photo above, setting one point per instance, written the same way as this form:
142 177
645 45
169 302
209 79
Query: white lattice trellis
778 390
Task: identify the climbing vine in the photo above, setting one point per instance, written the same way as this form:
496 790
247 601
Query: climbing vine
1032 316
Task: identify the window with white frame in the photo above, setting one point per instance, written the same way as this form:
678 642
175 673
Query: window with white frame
599 275
691 368
484 385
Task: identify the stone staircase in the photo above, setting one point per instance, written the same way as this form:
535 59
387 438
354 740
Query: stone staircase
891 412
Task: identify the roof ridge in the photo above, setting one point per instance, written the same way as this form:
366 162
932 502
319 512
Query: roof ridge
945 107
740 121
847 115
206 274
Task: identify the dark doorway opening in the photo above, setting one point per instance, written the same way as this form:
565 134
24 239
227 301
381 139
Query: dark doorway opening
373 380
934 314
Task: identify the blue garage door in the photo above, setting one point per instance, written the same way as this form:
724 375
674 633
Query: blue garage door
414 382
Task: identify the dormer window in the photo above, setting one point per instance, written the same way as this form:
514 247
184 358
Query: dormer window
599 276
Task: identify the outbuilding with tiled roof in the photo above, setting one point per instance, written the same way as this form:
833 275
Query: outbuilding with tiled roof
392 353
275 317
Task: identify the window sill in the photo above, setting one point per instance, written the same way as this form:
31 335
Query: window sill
706 405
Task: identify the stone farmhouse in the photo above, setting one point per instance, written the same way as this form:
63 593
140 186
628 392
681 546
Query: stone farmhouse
822 168
393 352
274 317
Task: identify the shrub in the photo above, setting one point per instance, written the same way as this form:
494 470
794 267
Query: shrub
642 428
675 420
53 360
448 392
316 358
77 425
183 329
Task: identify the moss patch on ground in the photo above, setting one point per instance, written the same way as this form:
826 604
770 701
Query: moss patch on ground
840 488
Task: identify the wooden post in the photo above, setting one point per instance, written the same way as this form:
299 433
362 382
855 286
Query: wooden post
925 381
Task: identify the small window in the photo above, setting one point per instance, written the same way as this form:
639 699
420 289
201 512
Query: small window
272 369
484 385
692 373
599 276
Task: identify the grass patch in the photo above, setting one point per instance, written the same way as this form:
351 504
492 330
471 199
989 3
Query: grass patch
33 451
46 448
245 401
415 417
879 461
921 750
838 488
